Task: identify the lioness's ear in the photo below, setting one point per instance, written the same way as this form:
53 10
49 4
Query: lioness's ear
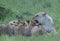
44 14
35 16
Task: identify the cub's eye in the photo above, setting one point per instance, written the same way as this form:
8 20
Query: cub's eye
17 23
14 22
11 23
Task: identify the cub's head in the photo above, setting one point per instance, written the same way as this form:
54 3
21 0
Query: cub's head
13 23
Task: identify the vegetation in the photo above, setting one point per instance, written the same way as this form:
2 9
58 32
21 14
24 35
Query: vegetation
27 9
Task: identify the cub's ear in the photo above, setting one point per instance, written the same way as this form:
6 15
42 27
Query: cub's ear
28 21
33 23
44 14
23 23
18 20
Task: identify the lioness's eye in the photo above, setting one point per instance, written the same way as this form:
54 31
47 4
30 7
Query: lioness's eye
44 14
36 21
40 23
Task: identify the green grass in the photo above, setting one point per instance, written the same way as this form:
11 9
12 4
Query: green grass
52 7
32 38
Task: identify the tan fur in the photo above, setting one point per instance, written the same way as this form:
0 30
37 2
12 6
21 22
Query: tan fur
37 30
11 28
26 28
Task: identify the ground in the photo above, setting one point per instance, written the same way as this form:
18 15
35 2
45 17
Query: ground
19 7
